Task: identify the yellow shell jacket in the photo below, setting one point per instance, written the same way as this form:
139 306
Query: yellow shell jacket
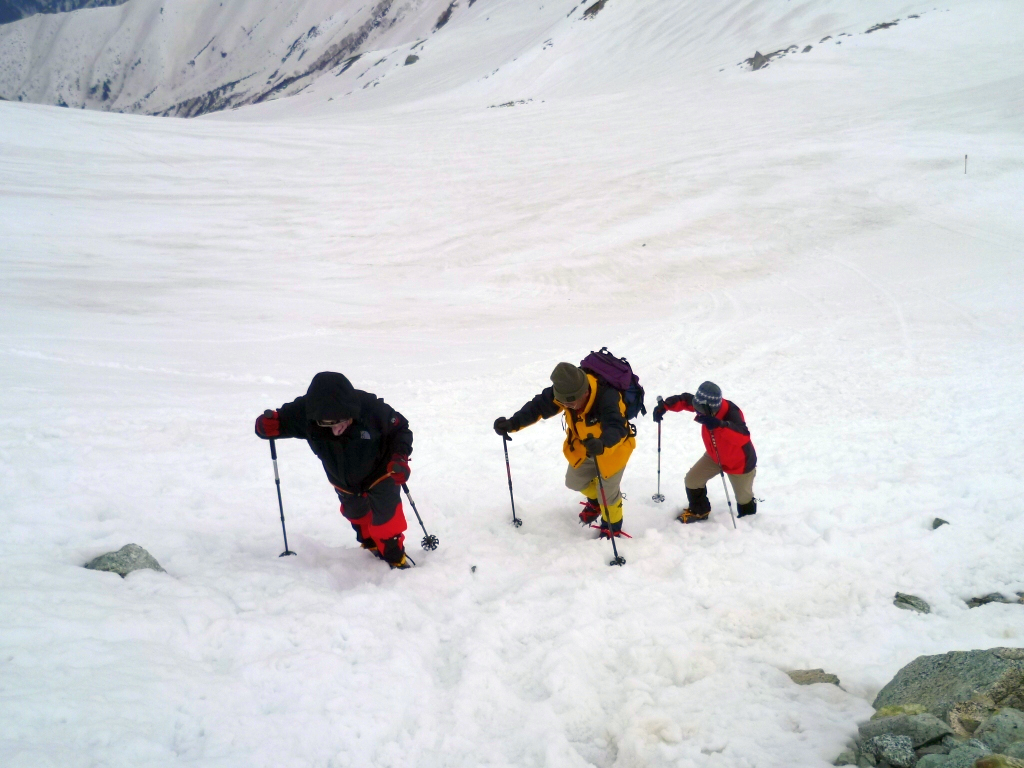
603 417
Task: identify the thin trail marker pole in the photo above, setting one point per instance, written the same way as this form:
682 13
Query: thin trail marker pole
508 468
658 496
714 444
965 165
280 504
604 500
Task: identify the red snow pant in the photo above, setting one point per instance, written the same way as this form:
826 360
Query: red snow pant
377 517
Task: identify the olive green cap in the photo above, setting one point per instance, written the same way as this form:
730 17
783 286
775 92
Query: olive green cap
569 382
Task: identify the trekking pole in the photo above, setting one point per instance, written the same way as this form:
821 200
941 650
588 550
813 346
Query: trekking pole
658 497
515 520
429 542
280 504
611 535
714 444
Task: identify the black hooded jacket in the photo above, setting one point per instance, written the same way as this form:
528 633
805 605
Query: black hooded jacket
359 457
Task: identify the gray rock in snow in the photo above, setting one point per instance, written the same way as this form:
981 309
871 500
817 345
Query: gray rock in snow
812 676
1003 729
938 522
920 729
412 58
991 597
759 60
849 757
130 557
995 676
911 603
965 756
897 751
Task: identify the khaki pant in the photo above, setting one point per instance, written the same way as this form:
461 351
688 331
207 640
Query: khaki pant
584 479
706 468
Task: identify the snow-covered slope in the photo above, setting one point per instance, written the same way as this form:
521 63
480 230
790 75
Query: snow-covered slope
804 235
196 56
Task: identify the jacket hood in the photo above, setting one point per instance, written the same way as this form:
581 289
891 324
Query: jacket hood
331 396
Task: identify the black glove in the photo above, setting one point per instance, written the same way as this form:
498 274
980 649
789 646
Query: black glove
659 412
503 426
594 446
708 421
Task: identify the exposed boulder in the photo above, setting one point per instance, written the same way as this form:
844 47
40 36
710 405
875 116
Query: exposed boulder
911 603
1003 729
966 716
994 677
967 755
920 729
897 751
130 557
999 761
812 676
938 522
994 597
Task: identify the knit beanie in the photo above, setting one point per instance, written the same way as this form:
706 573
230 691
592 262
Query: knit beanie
708 398
569 382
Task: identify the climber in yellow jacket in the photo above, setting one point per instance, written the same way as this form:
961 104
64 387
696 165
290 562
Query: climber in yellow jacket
597 438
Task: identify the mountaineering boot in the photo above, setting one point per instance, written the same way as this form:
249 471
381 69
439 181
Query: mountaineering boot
366 543
370 546
688 516
590 512
750 508
699 508
394 553
611 525
605 531
402 564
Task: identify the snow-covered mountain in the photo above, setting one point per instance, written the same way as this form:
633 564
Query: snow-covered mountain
197 56
12 10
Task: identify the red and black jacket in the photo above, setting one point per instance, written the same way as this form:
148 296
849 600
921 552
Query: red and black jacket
354 461
732 438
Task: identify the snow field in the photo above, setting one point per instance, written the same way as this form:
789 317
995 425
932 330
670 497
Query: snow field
804 236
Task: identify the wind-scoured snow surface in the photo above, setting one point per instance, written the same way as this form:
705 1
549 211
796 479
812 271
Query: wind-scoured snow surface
803 235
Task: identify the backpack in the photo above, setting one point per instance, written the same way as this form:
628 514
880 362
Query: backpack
615 372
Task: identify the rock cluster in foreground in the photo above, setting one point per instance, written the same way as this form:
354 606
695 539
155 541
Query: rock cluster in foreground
963 709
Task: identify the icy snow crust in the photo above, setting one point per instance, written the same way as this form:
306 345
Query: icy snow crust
804 235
